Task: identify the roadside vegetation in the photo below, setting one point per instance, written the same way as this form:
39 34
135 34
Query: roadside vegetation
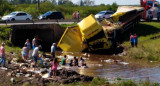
97 81
66 9
148 41
9 47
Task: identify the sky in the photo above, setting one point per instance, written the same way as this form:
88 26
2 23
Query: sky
119 2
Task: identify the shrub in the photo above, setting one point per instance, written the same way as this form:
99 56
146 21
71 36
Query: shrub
98 81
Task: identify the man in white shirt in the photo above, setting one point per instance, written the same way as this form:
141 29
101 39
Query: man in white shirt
35 54
53 49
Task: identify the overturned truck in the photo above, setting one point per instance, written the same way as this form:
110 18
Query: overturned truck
91 34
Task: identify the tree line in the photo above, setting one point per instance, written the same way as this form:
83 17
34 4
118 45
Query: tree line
67 7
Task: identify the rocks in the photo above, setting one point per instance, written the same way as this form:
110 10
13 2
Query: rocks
12 80
43 71
38 76
23 71
28 75
18 74
85 78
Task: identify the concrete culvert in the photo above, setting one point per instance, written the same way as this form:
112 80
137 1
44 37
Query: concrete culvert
47 33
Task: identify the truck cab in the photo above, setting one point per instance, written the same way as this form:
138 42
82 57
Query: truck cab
151 9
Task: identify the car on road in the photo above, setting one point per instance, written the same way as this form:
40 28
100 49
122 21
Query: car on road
51 15
103 14
17 16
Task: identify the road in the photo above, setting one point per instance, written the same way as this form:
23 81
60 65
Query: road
38 22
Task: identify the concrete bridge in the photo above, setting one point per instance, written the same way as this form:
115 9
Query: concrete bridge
48 33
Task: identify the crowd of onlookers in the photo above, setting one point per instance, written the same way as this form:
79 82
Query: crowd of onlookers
35 55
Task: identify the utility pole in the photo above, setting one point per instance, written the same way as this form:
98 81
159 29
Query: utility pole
81 3
38 4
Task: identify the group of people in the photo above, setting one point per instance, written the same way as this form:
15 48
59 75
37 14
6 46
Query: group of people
76 15
35 47
73 62
35 55
133 39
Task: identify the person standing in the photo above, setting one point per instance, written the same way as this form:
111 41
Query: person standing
35 55
2 54
78 15
135 39
132 40
54 66
34 42
28 46
53 50
25 52
74 15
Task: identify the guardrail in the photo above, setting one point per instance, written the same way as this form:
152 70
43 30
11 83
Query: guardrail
39 21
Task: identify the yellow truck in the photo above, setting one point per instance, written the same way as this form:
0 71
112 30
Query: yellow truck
91 34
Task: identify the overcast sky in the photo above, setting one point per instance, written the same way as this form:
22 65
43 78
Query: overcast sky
119 2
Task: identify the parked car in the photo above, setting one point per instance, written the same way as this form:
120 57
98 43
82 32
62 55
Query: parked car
104 14
51 15
17 16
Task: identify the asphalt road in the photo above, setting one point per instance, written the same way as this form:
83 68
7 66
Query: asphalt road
69 21
37 23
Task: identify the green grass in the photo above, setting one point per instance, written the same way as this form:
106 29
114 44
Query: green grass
148 41
4 37
67 25
97 81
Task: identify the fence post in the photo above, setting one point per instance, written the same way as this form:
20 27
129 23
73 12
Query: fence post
6 23
32 21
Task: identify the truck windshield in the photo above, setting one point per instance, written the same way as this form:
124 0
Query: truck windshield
150 3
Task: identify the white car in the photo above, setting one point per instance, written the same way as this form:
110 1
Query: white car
103 14
17 16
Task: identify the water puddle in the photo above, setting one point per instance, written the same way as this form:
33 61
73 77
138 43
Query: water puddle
105 66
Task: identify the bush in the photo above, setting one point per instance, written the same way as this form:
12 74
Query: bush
66 9
46 6
98 81
4 33
32 11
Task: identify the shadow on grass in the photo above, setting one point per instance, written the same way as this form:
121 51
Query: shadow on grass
142 29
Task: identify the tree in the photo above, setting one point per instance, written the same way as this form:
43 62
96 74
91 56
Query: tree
5 7
114 6
88 3
67 2
54 2
81 3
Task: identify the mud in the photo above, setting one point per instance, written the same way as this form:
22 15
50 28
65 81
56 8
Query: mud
21 73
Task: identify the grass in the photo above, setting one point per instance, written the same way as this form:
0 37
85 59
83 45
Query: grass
4 37
148 41
97 81
68 25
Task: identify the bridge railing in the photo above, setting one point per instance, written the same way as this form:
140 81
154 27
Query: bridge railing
39 21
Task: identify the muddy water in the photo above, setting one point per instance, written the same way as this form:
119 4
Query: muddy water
126 68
